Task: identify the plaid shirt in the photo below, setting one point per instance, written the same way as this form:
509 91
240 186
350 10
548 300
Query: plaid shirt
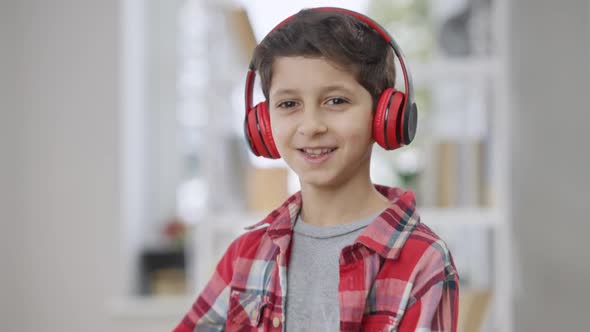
397 276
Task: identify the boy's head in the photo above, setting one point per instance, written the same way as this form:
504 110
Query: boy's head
322 74
323 71
336 37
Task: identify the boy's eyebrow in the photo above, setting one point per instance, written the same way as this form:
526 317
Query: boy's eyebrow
322 90
284 92
336 87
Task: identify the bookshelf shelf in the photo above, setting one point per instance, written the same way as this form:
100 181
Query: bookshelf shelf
458 217
453 217
148 307
444 68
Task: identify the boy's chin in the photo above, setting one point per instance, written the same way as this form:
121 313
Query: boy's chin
321 180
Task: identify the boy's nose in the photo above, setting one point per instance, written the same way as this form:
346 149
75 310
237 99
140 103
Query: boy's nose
312 124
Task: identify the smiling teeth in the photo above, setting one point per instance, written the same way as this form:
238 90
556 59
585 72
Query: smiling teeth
317 151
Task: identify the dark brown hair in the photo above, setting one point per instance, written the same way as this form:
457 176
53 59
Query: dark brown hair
339 38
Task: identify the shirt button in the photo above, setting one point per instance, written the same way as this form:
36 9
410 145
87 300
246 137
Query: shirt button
276 322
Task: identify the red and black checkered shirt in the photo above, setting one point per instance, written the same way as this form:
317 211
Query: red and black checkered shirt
397 276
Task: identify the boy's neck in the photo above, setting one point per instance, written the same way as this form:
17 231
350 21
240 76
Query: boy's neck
349 202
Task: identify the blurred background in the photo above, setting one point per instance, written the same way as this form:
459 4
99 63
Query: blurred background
124 173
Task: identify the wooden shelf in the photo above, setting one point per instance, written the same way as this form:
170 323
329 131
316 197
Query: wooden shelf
438 217
458 217
445 68
149 307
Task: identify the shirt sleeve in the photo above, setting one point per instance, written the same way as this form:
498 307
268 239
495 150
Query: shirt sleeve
435 299
209 311
435 311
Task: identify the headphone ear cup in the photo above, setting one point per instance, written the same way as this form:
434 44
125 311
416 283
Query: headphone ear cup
410 125
395 123
379 118
268 141
251 132
387 120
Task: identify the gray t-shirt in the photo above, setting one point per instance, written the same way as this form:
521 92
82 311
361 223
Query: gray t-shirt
312 277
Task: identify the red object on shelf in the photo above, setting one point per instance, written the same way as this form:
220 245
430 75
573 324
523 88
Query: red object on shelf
175 229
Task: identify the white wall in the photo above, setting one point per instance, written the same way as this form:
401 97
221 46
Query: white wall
61 228
551 184
10 223
66 244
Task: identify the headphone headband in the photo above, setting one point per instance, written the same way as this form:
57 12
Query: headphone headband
408 82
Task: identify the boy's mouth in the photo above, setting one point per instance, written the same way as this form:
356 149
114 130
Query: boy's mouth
317 151
317 155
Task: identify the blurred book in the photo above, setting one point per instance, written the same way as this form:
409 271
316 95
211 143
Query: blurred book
267 188
472 183
166 282
240 25
461 179
483 159
162 271
473 309
447 177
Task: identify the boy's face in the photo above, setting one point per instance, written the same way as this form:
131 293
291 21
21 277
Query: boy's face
316 105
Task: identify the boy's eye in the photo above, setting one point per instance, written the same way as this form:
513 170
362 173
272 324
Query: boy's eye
287 104
336 101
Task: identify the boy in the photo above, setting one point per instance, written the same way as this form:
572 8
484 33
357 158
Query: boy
342 254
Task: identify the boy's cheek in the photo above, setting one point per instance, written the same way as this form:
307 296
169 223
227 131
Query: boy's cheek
279 133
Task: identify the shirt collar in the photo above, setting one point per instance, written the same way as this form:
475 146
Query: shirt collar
386 235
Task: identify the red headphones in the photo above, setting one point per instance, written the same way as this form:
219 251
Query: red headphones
396 116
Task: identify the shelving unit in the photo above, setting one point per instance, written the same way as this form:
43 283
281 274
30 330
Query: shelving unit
482 217
207 108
